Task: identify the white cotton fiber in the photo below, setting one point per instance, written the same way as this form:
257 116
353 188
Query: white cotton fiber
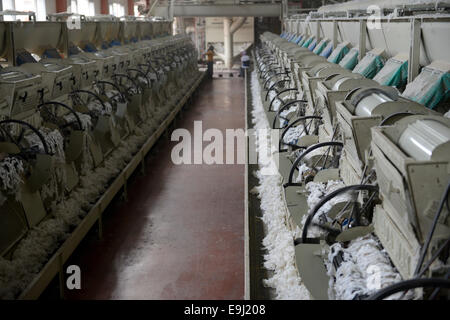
293 134
365 270
11 171
317 191
43 240
85 119
301 170
278 241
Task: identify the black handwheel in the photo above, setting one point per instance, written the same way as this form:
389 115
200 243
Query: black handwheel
125 81
306 121
283 108
102 86
7 134
334 162
410 284
356 214
277 96
137 72
76 96
50 114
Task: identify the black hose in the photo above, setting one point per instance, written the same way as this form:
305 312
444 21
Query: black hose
149 66
304 153
436 291
142 73
328 197
36 131
410 284
129 78
274 75
92 94
431 230
77 118
281 141
262 61
277 96
272 87
282 109
115 86
434 257
266 72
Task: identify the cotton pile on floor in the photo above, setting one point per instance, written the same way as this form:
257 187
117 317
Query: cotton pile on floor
279 238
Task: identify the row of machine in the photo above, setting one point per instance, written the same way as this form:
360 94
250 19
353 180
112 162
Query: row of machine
76 104
380 148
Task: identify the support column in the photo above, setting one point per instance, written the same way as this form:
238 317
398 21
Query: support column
180 27
200 35
228 31
335 34
104 7
228 42
61 6
362 38
318 31
414 50
131 7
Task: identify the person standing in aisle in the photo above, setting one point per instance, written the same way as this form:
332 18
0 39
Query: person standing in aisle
210 61
245 63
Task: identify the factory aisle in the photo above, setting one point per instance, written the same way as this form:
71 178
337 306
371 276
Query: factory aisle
181 233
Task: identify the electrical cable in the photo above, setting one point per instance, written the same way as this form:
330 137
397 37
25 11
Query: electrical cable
410 284
431 230
328 197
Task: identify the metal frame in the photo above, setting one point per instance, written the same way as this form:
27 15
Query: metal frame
416 45
56 263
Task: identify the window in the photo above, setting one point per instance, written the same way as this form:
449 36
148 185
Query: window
118 8
37 6
85 7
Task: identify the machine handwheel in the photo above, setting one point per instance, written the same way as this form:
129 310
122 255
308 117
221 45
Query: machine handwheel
353 214
307 122
49 113
103 88
327 160
77 98
7 135
126 82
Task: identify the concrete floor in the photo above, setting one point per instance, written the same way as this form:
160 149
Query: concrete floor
181 233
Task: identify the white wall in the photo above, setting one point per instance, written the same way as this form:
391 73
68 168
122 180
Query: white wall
38 6
214 31
97 6
50 6
118 7
86 7
394 36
